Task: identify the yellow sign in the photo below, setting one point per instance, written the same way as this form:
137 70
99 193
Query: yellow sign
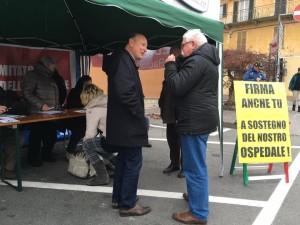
263 131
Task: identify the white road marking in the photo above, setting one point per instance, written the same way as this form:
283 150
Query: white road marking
252 167
237 201
224 142
141 192
157 126
217 133
212 134
209 142
157 139
268 177
268 213
213 142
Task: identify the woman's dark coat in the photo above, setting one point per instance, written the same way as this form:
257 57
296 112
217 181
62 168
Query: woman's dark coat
61 85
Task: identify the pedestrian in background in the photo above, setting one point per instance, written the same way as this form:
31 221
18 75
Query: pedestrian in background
254 73
195 86
294 86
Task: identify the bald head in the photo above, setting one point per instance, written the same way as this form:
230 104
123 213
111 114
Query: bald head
137 46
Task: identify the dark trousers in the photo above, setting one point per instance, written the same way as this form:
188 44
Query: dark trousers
174 144
41 134
129 164
7 145
77 127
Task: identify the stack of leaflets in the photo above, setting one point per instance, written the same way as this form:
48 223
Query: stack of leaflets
7 119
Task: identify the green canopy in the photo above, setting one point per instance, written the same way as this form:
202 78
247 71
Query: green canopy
93 26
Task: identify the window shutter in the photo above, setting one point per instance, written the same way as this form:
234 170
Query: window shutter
224 10
235 11
251 9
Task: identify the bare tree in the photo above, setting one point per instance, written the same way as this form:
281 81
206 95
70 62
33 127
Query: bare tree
236 63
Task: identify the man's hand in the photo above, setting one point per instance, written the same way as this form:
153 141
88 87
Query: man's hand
170 58
258 79
3 109
45 107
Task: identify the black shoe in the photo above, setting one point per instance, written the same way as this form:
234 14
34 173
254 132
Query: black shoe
35 163
48 157
97 181
9 174
185 196
180 174
148 145
171 168
294 108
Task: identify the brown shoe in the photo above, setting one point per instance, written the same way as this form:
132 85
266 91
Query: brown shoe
185 196
137 210
187 218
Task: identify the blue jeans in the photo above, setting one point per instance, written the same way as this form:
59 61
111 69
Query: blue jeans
129 164
195 170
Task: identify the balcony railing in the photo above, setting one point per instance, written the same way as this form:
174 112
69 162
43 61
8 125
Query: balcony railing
259 12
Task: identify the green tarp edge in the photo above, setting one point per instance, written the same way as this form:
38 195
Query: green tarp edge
167 15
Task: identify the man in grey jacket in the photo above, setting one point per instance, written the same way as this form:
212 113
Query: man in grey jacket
42 94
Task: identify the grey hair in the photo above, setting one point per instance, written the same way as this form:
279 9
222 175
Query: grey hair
195 35
47 60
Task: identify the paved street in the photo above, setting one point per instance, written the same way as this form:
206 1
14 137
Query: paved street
53 197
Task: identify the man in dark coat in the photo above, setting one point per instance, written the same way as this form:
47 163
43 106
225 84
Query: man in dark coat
195 85
42 94
166 104
126 126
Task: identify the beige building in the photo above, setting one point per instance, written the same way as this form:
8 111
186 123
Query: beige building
252 25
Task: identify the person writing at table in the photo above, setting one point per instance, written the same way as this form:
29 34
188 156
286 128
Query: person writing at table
42 94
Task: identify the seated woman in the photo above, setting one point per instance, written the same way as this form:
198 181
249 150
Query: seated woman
77 125
95 104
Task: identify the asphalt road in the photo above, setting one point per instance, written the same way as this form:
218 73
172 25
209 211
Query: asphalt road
51 196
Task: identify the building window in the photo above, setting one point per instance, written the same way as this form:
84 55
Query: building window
223 11
280 6
241 40
243 10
